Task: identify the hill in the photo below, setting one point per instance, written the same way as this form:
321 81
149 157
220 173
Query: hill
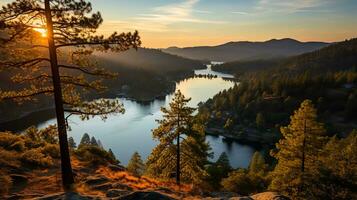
338 56
234 51
143 75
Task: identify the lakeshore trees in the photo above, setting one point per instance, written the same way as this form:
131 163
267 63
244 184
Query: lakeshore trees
30 28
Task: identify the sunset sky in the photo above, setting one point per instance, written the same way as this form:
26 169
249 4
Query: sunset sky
164 23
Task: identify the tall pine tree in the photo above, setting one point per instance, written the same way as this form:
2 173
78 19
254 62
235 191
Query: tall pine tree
297 152
182 150
136 165
69 28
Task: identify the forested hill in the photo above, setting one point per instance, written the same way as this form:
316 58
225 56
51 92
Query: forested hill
339 56
149 59
269 92
234 51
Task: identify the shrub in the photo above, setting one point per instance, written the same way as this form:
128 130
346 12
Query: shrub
9 159
243 182
95 155
35 158
5 183
11 142
51 150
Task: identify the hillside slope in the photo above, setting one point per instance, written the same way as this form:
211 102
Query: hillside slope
339 56
234 51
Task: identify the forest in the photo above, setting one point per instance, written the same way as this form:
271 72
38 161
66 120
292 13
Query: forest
299 106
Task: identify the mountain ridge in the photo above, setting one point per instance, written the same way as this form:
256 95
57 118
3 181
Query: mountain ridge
247 50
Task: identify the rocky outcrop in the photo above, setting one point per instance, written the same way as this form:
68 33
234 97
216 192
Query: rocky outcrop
145 196
260 196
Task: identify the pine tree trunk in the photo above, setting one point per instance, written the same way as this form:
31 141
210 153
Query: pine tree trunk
178 153
67 175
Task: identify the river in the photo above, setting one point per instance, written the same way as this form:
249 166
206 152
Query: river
130 132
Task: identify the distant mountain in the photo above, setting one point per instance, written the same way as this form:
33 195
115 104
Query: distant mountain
335 57
234 51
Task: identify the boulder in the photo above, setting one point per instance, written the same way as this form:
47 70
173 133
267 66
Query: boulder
96 180
145 196
66 195
269 196
116 193
116 168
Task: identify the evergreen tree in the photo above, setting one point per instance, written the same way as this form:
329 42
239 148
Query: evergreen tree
182 150
257 163
337 178
219 170
136 165
112 156
297 152
71 143
70 24
85 141
93 141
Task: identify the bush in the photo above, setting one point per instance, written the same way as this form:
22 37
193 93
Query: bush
11 142
35 158
51 150
9 159
5 183
244 183
95 155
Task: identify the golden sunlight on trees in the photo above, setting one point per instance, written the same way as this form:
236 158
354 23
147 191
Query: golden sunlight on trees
59 64
182 151
298 152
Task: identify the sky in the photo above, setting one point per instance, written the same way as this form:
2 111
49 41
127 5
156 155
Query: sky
164 23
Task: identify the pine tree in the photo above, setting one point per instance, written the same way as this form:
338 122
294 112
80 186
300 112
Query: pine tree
297 152
136 165
93 141
85 141
71 143
257 163
68 25
182 150
337 178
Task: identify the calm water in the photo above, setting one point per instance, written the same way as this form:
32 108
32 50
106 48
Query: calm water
131 132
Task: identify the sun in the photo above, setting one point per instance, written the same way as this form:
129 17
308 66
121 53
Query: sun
42 31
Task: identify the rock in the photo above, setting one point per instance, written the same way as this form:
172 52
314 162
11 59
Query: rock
145 196
116 168
67 195
116 193
102 187
96 180
223 195
269 196
122 186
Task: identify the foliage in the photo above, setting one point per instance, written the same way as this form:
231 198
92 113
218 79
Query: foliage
218 170
297 152
71 143
94 155
337 171
136 165
178 125
248 181
89 151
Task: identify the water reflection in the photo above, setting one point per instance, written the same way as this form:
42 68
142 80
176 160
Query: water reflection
131 132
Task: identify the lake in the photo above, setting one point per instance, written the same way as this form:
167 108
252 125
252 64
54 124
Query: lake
130 132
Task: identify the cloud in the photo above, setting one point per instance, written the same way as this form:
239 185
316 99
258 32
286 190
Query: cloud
175 13
240 13
290 6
